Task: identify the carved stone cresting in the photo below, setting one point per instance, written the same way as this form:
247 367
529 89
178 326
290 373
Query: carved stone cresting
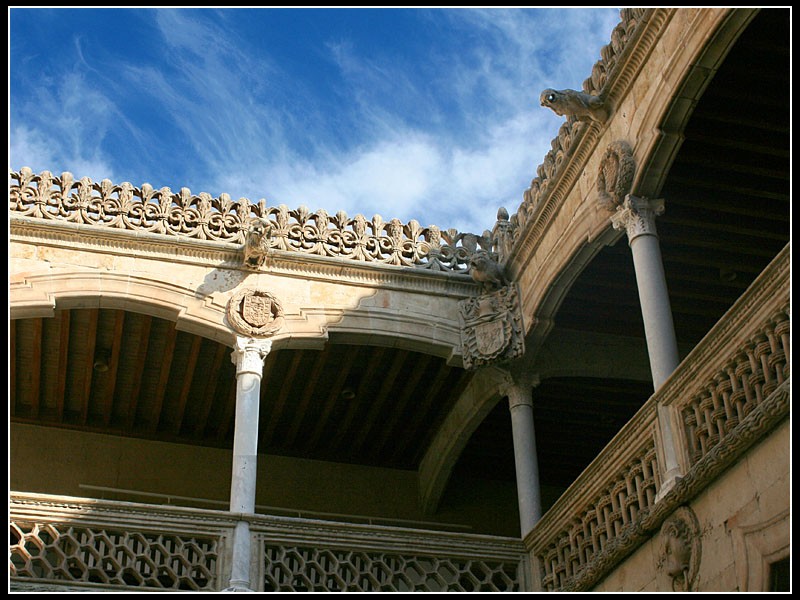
255 313
491 327
637 216
123 207
570 103
615 175
680 549
256 243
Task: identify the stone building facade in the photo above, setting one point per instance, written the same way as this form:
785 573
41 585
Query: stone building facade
210 394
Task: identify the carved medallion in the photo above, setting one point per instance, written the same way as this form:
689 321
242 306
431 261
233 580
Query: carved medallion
680 549
255 313
491 327
615 175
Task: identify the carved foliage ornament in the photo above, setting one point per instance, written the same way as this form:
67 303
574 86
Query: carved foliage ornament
491 327
615 175
680 549
255 313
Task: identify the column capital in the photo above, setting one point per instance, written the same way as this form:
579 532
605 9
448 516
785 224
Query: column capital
519 389
249 353
637 216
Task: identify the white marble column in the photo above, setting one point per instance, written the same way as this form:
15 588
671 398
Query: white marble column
637 216
529 497
248 356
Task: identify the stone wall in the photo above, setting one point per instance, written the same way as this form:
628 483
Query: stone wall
59 461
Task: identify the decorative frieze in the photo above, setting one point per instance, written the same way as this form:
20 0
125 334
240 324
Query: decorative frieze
491 327
255 313
256 226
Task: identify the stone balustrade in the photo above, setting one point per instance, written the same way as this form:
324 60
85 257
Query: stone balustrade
64 543
221 219
730 390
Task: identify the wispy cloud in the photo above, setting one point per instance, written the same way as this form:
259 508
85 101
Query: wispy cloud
444 136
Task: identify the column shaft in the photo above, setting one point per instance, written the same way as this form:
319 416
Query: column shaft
525 460
638 217
248 356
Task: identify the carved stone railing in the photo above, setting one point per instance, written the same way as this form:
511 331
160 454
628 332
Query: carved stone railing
86 544
327 557
203 217
60 543
729 392
599 509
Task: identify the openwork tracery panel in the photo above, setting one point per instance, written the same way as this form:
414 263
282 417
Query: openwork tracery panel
603 522
742 384
56 552
306 569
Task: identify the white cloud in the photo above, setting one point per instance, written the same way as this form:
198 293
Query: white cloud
446 143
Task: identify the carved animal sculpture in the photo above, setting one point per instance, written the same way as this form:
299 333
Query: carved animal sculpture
256 243
487 272
571 103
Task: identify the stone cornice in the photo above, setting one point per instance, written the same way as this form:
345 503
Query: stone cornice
216 254
628 64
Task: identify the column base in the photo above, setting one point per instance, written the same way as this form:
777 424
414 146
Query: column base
238 588
670 481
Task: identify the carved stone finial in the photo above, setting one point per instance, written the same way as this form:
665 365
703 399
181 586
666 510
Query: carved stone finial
615 175
256 243
491 328
581 105
503 236
680 549
255 313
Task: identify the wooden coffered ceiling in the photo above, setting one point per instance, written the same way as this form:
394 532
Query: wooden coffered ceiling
727 198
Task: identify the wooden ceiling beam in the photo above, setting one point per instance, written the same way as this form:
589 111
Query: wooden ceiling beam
305 400
334 395
343 428
377 407
113 367
188 379
267 435
171 336
138 370
212 384
88 373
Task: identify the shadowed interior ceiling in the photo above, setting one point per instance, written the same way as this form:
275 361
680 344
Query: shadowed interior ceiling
727 216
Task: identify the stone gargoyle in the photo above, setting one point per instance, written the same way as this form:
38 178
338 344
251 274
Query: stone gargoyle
581 105
256 243
487 272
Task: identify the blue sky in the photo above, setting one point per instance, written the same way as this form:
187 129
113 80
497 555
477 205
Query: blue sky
426 114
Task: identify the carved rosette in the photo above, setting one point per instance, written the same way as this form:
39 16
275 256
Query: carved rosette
615 175
491 328
255 313
680 553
